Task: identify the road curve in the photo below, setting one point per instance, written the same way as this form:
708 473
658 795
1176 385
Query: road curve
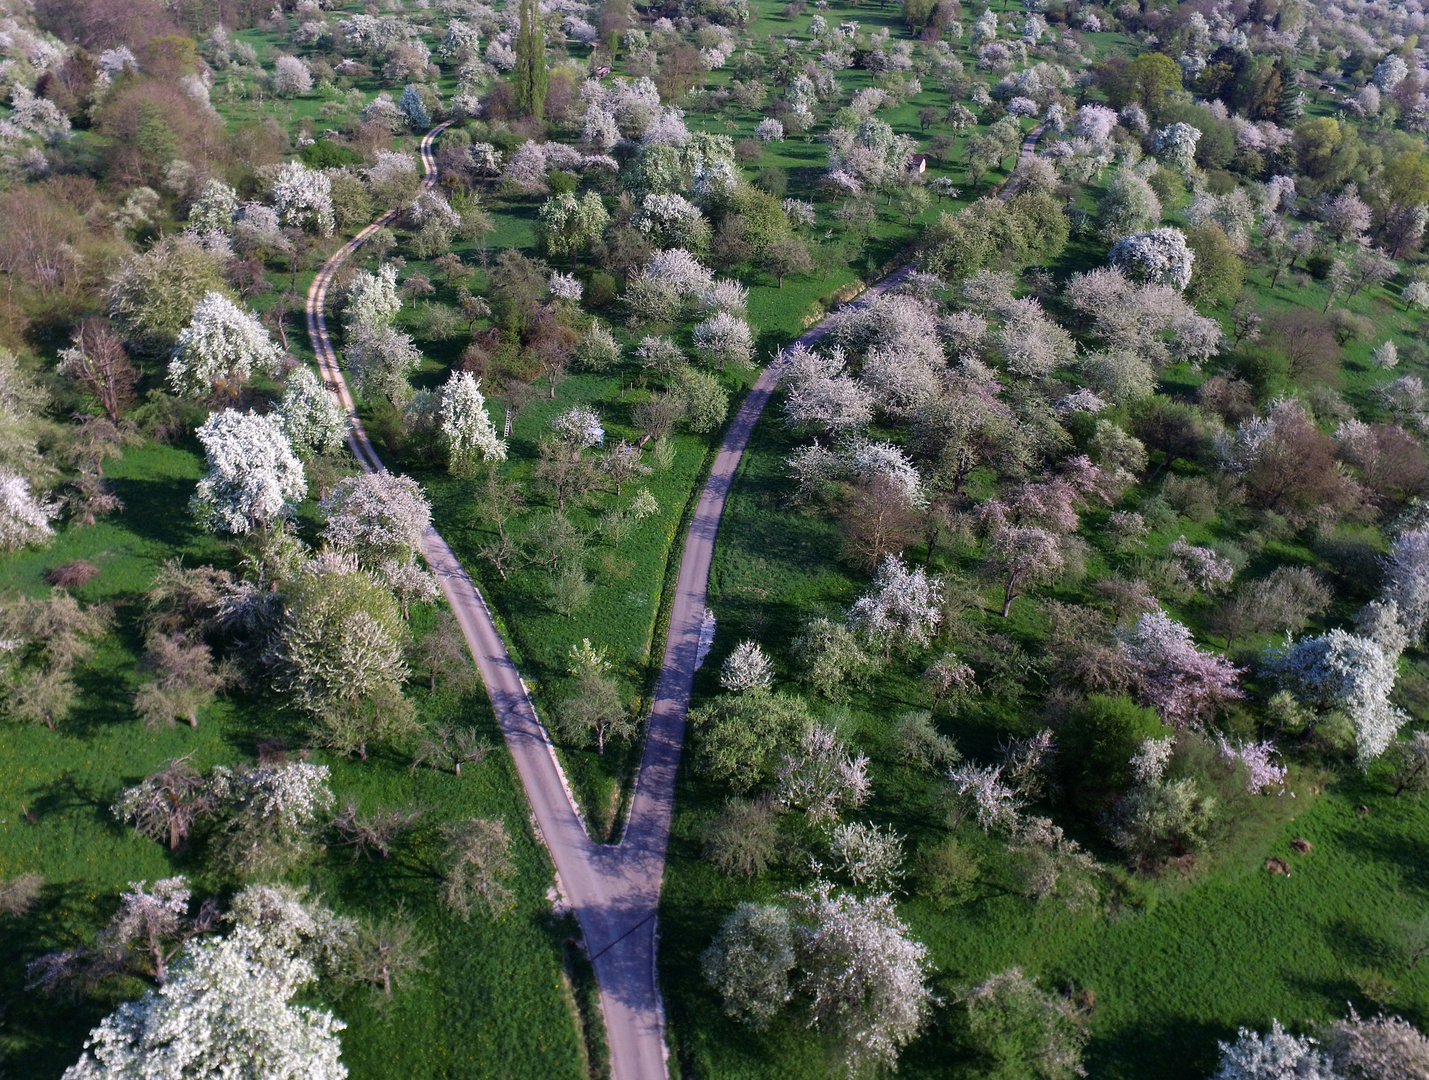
614 890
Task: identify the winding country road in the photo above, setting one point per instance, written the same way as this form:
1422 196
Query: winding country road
614 890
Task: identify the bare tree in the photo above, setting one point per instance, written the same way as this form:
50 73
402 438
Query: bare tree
374 832
784 257
443 651
500 501
185 680
382 953
183 599
564 476
146 933
878 522
99 363
168 803
552 348
478 862
451 746
1411 764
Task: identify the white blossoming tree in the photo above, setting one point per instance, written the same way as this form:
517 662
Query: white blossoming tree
227 1010
381 358
213 210
378 517
822 778
312 419
372 299
579 428
904 609
724 340
1343 670
1176 145
24 519
746 668
291 77
1277 1055
253 478
1406 579
1158 257
303 198
861 972
468 429
220 349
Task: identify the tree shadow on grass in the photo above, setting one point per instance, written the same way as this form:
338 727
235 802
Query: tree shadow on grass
1166 1047
43 1035
104 701
158 510
68 796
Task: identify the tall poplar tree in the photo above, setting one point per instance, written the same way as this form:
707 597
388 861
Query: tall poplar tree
530 76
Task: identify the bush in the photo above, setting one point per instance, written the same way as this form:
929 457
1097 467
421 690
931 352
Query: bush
744 839
1023 1031
601 290
947 874
1192 497
1097 743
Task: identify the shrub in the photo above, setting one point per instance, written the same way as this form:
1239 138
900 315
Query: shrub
1097 743
1024 1031
744 839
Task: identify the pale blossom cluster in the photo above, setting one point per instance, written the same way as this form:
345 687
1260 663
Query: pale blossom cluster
863 973
1184 684
220 348
1341 670
1202 566
870 856
724 340
746 668
303 198
376 517
579 427
312 418
1261 770
1158 257
822 778
905 607
465 424
24 517
253 477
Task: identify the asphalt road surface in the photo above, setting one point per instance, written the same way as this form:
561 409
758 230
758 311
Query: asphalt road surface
614 890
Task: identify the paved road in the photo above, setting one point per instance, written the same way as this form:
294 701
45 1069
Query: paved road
614 890
1029 147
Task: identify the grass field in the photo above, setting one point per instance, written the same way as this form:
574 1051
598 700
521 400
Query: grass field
1175 962
492 1001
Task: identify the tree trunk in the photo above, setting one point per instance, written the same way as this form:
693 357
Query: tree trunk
1009 595
362 750
457 765
193 718
175 833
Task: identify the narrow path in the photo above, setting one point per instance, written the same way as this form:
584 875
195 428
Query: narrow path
1029 147
614 890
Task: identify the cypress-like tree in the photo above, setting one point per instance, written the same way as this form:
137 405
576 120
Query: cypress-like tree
530 75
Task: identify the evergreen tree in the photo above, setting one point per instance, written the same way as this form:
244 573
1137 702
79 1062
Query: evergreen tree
529 77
